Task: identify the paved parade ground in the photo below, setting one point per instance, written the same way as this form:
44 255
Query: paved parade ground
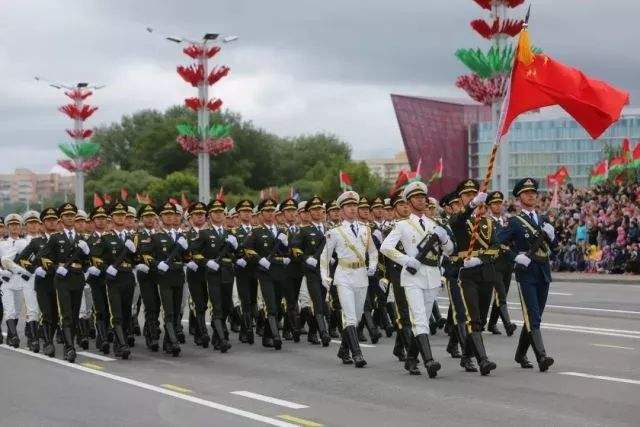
591 329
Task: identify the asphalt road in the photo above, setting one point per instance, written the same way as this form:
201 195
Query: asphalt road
592 331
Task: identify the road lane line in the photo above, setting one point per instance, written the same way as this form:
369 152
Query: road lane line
96 356
93 366
580 330
273 400
612 346
299 420
601 377
157 389
562 294
177 388
361 344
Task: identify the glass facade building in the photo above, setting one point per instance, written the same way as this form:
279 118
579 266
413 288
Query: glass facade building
538 148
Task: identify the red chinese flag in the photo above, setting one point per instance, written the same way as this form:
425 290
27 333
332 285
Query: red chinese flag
97 200
538 81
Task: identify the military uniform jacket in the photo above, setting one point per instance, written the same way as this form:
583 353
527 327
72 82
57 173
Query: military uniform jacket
504 260
64 252
212 245
242 233
114 251
28 259
295 267
145 250
164 247
262 243
308 243
521 233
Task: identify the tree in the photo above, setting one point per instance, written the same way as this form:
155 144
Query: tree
174 185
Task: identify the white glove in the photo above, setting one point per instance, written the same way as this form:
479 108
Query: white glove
163 266
131 246
40 272
182 242
6 273
83 247
241 263
212 265
413 263
327 282
286 261
192 266
383 284
311 261
93 271
480 198
264 263
378 235
61 271
112 271
143 267
284 239
371 270
332 261
471 262
232 241
522 259
551 232
442 234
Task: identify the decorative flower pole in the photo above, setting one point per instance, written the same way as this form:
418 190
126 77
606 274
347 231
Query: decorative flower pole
490 71
81 152
205 140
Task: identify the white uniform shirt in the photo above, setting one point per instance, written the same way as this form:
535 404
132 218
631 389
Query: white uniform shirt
362 244
410 234
9 248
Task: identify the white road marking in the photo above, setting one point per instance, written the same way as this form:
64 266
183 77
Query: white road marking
269 399
361 344
583 330
612 346
601 377
563 294
96 356
157 389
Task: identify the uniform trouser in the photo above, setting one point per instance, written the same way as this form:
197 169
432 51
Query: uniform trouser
304 299
99 297
48 303
317 292
150 299
69 291
220 295
119 295
500 295
457 312
86 306
476 285
533 297
12 300
404 317
198 291
335 299
247 289
170 287
290 292
268 285
352 303
420 306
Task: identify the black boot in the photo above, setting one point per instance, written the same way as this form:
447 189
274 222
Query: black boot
59 335
343 352
223 344
135 325
49 349
385 321
235 318
180 331
521 350
435 312
360 330
374 333
13 339
452 345
246 320
354 346
509 327
544 361
493 328
203 333
120 347
486 366
466 346
398 348
34 340
274 332
83 334
312 334
260 324
69 350
333 324
294 323
411 362
325 338
102 343
433 326
424 346
170 343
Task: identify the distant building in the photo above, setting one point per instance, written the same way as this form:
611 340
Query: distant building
388 169
25 186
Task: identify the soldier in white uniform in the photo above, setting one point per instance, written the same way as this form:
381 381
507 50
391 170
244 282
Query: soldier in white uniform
422 287
351 241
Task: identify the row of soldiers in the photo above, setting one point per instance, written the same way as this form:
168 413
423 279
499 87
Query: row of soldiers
339 267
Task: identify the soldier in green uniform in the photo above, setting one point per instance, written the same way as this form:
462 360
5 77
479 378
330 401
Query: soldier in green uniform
291 289
246 281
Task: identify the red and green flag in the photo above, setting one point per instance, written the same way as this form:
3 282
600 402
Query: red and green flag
437 173
345 181
617 165
635 156
600 172
558 177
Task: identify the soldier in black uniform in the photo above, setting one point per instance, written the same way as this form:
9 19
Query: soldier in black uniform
147 278
68 253
43 269
291 290
504 270
307 247
477 273
196 280
379 223
269 246
118 252
334 310
169 247
245 272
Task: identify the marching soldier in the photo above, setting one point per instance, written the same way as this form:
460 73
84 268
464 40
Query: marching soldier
197 214
68 252
380 228
352 243
307 247
291 290
504 269
364 215
86 306
168 249
335 317
245 272
532 238
420 277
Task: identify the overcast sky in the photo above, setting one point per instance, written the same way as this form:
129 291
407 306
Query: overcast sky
300 66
